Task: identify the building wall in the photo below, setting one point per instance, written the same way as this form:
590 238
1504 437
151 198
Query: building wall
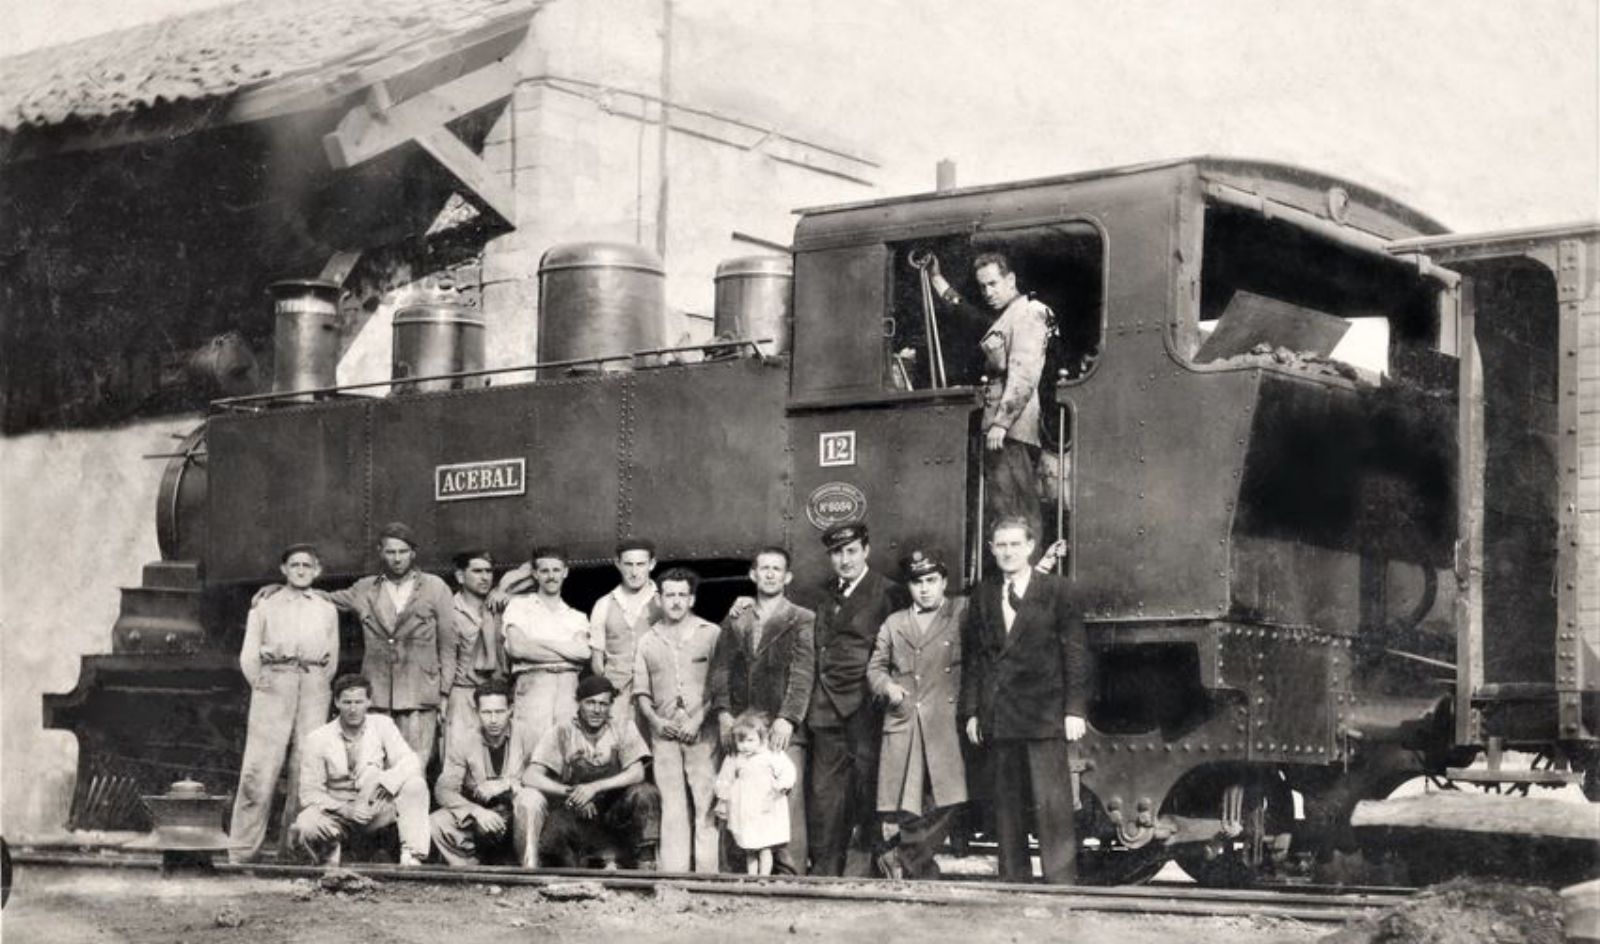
78 523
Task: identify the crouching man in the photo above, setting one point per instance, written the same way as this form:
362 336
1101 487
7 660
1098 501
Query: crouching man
484 808
592 804
358 775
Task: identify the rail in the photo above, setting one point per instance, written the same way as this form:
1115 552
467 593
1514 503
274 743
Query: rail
255 401
1167 900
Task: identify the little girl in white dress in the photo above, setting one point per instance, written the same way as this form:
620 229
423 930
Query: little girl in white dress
752 793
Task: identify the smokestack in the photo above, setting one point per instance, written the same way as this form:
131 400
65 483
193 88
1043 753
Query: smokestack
945 175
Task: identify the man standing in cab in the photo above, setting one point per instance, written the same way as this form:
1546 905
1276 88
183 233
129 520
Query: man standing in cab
1024 696
843 721
1014 354
766 662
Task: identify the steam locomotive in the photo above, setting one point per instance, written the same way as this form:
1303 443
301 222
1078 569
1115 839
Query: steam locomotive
1327 478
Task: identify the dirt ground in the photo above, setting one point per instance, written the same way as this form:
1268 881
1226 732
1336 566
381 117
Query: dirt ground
59 906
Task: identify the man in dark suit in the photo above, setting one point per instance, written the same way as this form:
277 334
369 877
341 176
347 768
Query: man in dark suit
766 662
845 724
1024 695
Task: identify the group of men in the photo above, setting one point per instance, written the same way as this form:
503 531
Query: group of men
592 740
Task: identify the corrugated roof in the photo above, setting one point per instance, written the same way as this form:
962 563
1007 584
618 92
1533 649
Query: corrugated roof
225 50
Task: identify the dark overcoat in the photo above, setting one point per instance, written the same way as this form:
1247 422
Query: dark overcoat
846 629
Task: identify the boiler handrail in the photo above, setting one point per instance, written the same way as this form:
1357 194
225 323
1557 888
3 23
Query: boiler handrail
227 403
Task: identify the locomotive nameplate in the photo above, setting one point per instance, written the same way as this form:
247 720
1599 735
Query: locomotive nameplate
834 449
491 478
834 503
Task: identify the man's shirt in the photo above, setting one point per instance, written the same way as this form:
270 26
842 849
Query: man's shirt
544 634
673 666
567 746
291 626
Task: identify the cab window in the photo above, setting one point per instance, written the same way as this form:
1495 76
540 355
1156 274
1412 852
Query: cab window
929 342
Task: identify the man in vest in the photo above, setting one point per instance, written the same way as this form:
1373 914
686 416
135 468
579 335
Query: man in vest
618 620
480 653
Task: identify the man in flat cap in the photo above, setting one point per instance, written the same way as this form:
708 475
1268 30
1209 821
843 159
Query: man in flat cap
843 721
916 670
289 657
408 625
594 804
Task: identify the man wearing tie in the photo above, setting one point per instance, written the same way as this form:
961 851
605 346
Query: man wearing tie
1024 695
844 723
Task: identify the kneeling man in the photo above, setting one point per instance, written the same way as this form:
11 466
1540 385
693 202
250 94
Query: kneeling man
593 803
358 774
484 808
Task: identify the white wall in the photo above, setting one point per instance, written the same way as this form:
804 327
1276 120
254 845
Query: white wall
77 521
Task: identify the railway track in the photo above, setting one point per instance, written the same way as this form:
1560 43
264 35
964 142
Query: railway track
1171 899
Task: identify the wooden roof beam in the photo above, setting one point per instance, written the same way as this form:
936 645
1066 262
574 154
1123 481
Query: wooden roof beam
380 125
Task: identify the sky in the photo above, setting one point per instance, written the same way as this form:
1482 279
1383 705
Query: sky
1482 113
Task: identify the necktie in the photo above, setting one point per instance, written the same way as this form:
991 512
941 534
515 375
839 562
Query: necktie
925 610
1012 597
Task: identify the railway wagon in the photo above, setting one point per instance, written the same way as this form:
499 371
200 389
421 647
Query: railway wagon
1272 498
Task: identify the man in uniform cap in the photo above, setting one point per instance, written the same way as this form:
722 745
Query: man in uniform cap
843 721
408 626
916 670
593 800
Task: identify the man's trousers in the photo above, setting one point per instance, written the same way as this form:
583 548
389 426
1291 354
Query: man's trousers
842 783
420 729
1040 769
1011 485
463 843
686 775
409 809
286 704
627 825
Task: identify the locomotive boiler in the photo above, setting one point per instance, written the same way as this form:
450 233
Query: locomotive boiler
1314 489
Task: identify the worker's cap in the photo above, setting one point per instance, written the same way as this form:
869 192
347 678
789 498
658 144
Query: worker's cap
595 685
396 529
302 548
921 562
841 534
